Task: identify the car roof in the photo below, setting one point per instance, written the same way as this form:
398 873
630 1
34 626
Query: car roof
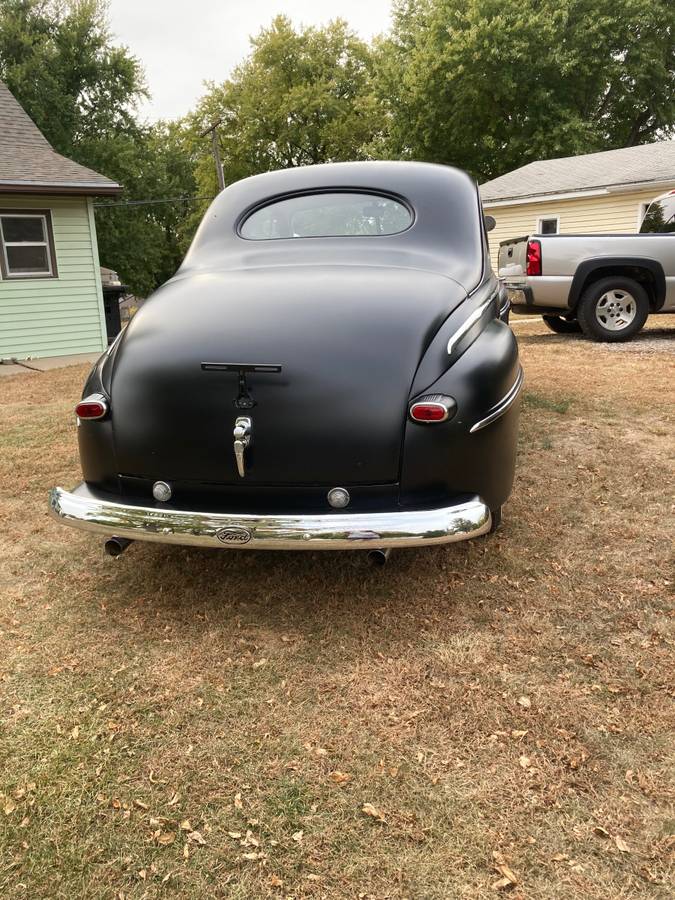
446 235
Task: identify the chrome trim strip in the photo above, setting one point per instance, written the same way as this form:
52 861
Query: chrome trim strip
332 531
500 408
468 324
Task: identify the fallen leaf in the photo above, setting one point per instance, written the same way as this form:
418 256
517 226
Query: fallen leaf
195 837
643 781
621 844
185 825
259 664
525 702
519 733
186 851
509 878
340 777
525 762
234 834
237 802
600 831
166 838
372 811
9 807
75 733
275 881
140 804
297 837
251 856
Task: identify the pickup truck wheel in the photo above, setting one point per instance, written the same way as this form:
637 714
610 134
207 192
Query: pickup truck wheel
561 325
613 309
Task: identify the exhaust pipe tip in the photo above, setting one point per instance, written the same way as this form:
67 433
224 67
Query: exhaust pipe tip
378 557
115 546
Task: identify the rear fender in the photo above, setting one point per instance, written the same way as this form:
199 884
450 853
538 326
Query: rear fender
95 436
647 271
446 459
453 338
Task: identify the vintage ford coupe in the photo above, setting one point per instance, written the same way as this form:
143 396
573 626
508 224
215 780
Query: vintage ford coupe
328 369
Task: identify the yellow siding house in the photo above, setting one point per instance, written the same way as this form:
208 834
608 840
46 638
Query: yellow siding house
597 192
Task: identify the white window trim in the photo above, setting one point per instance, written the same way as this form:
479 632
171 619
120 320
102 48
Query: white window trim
643 206
541 218
9 275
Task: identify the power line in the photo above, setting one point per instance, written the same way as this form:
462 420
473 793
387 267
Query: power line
150 202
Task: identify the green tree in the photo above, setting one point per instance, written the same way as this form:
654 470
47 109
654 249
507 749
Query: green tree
58 59
301 97
145 242
490 85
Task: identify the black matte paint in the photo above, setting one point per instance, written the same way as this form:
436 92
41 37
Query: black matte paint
359 326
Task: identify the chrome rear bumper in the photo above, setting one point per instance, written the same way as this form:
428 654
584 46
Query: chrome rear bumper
81 508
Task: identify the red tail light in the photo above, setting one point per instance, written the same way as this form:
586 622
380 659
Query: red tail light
91 408
533 258
435 408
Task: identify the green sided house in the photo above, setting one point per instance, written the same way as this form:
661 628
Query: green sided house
51 302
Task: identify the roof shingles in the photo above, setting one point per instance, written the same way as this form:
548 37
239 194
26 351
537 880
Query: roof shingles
611 168
28 162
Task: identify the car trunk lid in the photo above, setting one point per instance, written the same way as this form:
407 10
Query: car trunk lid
346 342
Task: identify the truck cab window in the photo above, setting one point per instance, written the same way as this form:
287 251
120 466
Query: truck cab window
660 217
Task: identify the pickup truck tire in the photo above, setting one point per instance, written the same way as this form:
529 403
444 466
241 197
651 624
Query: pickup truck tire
613 309
561 325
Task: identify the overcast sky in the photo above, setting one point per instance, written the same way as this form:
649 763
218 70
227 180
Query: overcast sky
183 44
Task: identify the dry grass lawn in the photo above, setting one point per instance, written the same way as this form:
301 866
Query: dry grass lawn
492 716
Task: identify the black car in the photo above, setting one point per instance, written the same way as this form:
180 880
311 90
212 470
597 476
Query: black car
327 369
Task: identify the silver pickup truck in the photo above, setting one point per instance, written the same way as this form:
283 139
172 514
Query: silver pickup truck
602 284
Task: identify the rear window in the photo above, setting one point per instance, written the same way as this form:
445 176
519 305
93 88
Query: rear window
338 214
660 216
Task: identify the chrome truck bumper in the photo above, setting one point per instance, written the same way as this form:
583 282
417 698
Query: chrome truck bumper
81 508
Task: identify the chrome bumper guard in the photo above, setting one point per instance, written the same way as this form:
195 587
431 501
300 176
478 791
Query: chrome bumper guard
81 508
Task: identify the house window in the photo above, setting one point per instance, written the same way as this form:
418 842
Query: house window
548 224
26 244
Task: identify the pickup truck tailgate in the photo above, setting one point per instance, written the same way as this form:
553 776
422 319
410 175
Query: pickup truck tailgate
513 258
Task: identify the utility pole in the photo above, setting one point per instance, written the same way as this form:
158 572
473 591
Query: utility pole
213 131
